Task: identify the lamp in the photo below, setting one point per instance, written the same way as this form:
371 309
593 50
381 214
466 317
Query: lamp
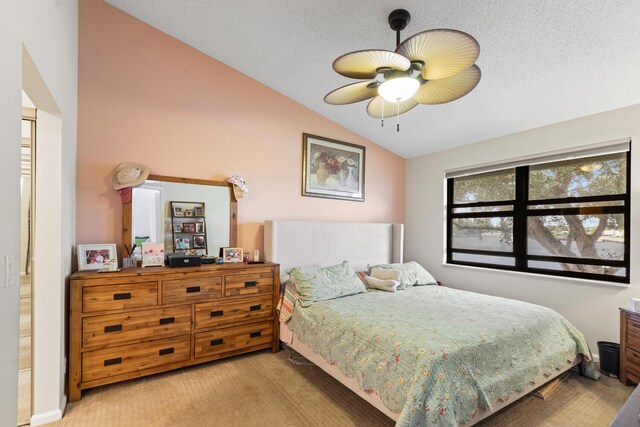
398 89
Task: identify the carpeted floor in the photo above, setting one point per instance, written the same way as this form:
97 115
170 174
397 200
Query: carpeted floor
265 389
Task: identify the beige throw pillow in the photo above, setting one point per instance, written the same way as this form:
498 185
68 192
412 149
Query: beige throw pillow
388 285
385 273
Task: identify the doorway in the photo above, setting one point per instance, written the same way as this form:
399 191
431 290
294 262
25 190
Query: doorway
26 254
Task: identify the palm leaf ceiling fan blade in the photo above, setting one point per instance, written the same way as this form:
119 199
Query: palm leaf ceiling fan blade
354 92
444 52
446 90
364 64
378 108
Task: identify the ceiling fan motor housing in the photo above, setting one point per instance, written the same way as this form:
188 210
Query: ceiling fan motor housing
398 19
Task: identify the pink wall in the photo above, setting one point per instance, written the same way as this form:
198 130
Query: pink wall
146 97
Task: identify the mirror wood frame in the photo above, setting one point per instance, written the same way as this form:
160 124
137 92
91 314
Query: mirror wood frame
233 208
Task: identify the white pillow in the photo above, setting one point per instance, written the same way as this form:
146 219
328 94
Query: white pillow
388 285
385 273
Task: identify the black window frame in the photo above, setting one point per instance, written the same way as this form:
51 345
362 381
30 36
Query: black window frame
520 214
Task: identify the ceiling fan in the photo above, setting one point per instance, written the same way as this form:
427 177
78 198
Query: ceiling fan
431 67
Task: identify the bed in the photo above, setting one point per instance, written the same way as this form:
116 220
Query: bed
427 355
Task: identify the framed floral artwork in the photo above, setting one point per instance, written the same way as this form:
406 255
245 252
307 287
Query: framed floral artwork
332 169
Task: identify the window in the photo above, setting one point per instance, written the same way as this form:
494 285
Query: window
566 217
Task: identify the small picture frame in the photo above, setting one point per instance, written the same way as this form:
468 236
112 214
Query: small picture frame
97 257
188 212
152 255
189 227
182 244
199 241
198 211
232 254
178 212
177 228
200 227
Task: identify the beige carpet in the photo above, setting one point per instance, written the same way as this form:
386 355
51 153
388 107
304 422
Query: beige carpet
263 389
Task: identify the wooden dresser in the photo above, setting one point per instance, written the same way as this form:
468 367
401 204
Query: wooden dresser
629 347
138 322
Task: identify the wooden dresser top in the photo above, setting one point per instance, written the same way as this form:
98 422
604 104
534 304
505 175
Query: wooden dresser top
139 271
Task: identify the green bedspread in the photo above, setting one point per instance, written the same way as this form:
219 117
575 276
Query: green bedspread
435 355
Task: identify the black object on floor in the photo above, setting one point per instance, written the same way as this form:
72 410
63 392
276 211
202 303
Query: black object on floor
609 358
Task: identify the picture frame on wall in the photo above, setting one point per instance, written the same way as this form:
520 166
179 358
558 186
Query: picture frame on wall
198 211
178 211
232 254
199 227
97 256
177 228
332 169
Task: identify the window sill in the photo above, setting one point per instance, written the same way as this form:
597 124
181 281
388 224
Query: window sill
542 276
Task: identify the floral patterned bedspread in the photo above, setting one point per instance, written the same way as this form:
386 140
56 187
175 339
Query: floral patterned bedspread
436 354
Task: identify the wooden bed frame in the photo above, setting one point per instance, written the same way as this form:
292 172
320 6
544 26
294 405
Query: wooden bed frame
311 243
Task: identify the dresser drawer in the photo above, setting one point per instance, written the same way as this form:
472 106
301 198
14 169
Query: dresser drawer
248 284
189 290
118 297
135 357
225 312
633 333
633 365
232 339
113 328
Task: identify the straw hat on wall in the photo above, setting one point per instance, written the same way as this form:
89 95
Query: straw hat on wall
129 174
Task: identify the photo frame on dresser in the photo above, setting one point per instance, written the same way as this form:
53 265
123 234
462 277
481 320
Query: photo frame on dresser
152 254
97 256
232 254
332 169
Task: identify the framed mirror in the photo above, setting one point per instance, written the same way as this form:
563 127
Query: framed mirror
184 214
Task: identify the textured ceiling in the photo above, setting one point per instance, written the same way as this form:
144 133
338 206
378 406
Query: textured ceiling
542 61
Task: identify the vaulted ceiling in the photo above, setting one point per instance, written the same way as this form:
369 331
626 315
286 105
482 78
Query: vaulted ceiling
542 61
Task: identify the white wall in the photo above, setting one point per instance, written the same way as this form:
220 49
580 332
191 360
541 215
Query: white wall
38 51
591 307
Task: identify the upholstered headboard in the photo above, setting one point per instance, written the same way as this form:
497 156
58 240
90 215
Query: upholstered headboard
313 243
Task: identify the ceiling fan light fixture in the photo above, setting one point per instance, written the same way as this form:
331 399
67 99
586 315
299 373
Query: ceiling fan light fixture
398 89
431 67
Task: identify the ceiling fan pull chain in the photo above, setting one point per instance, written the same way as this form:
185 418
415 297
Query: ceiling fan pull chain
398 124
382 122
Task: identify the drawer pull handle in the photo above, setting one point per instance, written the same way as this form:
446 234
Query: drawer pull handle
255 307
217 313
164 351
125 295
112 328
216 342
255 334
250 284
167 320
115 361
192 289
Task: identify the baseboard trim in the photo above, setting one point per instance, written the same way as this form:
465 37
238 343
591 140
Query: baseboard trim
49 416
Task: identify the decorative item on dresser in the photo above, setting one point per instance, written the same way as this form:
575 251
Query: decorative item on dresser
139 321
629 346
